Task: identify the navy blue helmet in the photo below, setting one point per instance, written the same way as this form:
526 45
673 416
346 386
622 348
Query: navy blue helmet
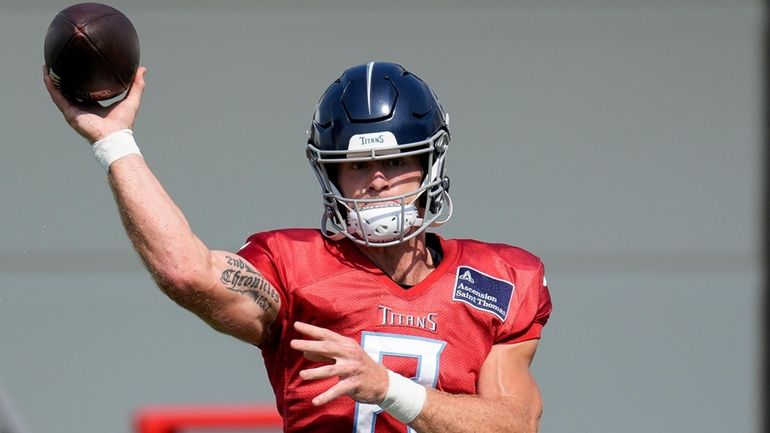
374 111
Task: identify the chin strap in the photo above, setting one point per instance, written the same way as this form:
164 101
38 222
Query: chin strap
329 234
449 211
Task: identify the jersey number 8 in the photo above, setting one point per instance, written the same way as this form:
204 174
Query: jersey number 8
427 352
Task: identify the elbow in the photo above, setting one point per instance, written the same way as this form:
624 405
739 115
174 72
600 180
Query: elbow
524 417
526 423
534 412
180 283
533 418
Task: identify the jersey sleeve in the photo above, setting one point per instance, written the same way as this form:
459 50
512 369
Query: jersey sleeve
534 310
258 252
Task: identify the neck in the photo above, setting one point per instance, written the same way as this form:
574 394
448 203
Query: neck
407 263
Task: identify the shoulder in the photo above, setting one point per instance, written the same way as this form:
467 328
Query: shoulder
510 279
284 244
283 239
513 256
294 255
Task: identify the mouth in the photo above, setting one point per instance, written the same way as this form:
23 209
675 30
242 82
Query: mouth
379 204
367 201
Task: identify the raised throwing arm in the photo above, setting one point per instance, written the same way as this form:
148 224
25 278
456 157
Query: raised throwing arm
220 287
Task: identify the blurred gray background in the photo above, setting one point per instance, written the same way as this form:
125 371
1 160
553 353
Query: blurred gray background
621 141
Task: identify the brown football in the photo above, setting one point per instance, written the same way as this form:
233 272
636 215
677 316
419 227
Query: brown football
92 51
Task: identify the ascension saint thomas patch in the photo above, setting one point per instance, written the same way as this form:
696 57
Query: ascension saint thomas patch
483 292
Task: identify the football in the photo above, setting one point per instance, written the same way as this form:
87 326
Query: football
91 51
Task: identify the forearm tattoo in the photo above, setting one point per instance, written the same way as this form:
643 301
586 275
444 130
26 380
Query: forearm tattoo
245 280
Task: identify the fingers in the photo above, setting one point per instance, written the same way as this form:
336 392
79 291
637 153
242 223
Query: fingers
321 347
360 377
317 351
323 372
316 332
57 96
345 386
133 98
318 358
325 346
136 91
342 388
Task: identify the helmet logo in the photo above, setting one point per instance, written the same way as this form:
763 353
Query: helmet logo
374 140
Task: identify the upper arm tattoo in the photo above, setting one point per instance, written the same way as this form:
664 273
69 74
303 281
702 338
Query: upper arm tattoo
242 278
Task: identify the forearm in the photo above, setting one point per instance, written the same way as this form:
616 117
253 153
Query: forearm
158 229
448 413
218 286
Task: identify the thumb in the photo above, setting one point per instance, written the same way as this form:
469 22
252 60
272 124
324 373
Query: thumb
134 95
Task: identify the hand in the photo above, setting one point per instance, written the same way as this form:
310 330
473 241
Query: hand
90 119
360 377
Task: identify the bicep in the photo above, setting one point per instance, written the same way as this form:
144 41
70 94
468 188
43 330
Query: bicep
237 299
506 375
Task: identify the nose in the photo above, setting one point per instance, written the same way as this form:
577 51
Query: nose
378 181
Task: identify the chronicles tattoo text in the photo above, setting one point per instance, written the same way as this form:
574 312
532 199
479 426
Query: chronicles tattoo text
243 279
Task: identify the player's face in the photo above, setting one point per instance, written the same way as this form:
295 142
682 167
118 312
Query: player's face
380 179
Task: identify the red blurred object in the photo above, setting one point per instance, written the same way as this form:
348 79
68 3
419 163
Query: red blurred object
176 418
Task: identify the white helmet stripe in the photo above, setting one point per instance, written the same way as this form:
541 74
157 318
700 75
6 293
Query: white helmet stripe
369 69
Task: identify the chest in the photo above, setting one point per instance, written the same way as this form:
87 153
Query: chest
432 336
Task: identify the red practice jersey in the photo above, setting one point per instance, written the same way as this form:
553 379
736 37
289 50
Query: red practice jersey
438 332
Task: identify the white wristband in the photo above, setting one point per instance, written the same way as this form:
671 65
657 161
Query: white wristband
405 398
115 146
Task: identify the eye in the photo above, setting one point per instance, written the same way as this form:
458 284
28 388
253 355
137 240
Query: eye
360 165
396 162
